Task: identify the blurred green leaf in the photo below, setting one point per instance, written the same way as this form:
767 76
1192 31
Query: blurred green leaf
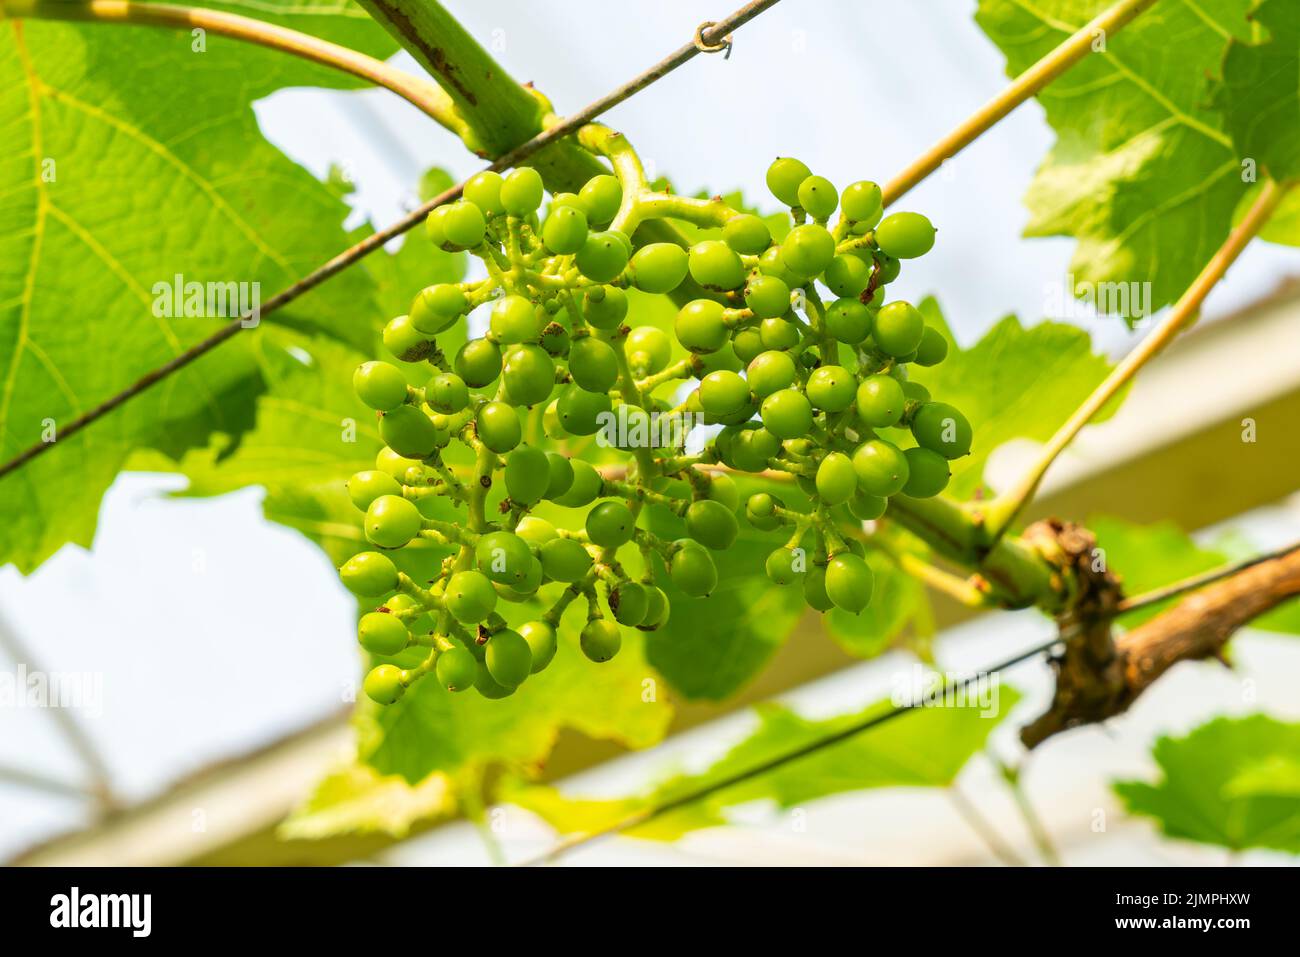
358 800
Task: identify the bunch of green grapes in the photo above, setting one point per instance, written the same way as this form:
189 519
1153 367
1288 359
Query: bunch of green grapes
810 390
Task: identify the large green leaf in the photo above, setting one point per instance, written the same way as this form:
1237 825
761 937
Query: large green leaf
1143 173
1230 782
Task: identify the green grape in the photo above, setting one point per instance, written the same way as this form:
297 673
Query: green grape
456 668
779 333
565 560
436 308
542 643
836 478
932 349
787 414
447 393
600 639
648 350
767 296
723 393
849 582
484 191
584 489
529 374
369 574
602 256
747 234
382 634
463 224
478 363
867 508
565 230
582 412
770 372
521 191
861 201
881 468
383 684
848 320
714 265
927 474
393 464
513 319
365 487
555 339
503 557
723 489
818 196
783 179
600 197
755 445
747 344
915 392
593 364
527 475
880 401
814 589
700 326
905 235
498 427
604 307
781 566
830 388
807 250
392 521
712 524
610 524
508 657
536 531
408 432
469 596
941 428
898 328
379 385
770 263
487 686
433 227
847 276
559 475
657 609
658 267
629 602
692 570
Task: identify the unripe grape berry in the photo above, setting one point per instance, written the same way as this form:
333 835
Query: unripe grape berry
600 639
392 521
780 566
529 374
752 448
836 478
469 597
602 256
779 333
692 570
379 385
447 393
927 474
487 686
814 589
767 296
648 350
941 428
498 427
542 643
433 227
565 230
437 308
508 658
932 349
848 320
382 634
849 582
770 372
847 275
658 267
604 307
565 560
747 234
783 179
559 475
723 393
700 326
463 224
527 475
383 684
787 414
881 468
723 489
714 265
915 392
808 250
860 201
610 524
898 328
880 401
657 609
867 508
365 487
593 364
712 524
905 235
478 363
770 263
484 191
529 581
408 432
600 197
831 388
456 668
503 557
629 602
389 462
513 319
818 196
369 574
582 412
746 344
536 531
521 191
555 339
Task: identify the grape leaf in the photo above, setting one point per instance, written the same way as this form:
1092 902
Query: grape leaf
134 157
1230 782
1016 382
1143 173
356 799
